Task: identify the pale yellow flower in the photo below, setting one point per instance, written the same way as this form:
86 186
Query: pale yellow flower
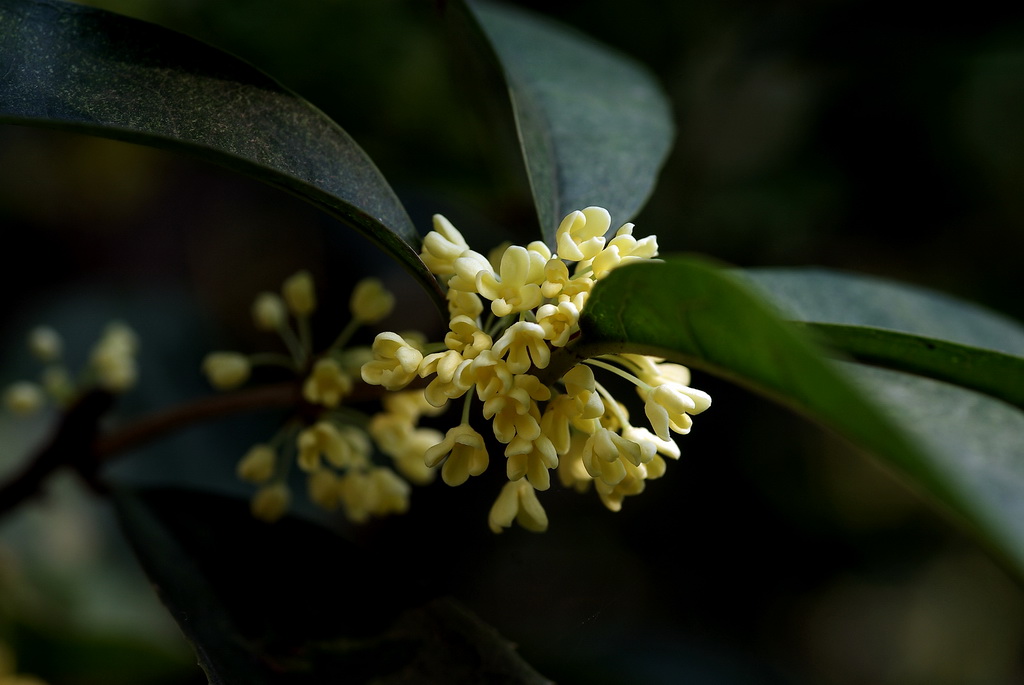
571 471
324 489
558 282
45 343
632 483
271 502
463 452
606 454
462 303
409 454
299 293
24 398
518 502
226 370
531 459
516 287
327 384
113 358
466 338
467 267
515 413
448 383
558 321
581 234
257 466
268 311
669 405
342 446
442 246
371 301
525 345
489 374
395 362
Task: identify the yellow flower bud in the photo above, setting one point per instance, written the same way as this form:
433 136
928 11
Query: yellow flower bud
299 293
113 358
45 343
226 370
257 466
518 502
370 301
463 452
327 384
395 362
271 502
268 311
23 398
324 489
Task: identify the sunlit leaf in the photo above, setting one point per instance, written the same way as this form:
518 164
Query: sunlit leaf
71 67
594 125
693 312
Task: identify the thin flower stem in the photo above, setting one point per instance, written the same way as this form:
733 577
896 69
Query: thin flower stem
291 342
350 328
465 407
272 359
617 371
613 405
305 338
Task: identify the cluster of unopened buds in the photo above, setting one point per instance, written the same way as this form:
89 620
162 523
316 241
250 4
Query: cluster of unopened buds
112 367
508 314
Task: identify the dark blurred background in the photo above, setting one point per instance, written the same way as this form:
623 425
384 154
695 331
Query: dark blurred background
883 138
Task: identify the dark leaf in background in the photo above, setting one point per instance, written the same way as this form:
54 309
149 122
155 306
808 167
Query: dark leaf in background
80 69
292 602
594 125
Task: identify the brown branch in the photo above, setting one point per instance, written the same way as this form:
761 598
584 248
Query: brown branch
71 444
207 408
75 441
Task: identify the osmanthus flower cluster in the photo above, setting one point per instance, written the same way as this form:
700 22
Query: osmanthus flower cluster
111 366
507 314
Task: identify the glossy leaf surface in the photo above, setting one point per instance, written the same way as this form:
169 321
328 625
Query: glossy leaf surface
697 314
902 327
71 67
594 125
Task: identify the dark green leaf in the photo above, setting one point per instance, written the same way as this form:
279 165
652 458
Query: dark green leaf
902 327
223 654
823 296
688 310
972 441
594 125
994 373
292 602
71 67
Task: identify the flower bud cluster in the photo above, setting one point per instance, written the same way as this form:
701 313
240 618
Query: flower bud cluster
329 444
508 313
112 367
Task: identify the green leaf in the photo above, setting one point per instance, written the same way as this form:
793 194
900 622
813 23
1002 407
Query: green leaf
690 311
594 125
193 602
902 327
973 442
292 602
80 69
832 297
